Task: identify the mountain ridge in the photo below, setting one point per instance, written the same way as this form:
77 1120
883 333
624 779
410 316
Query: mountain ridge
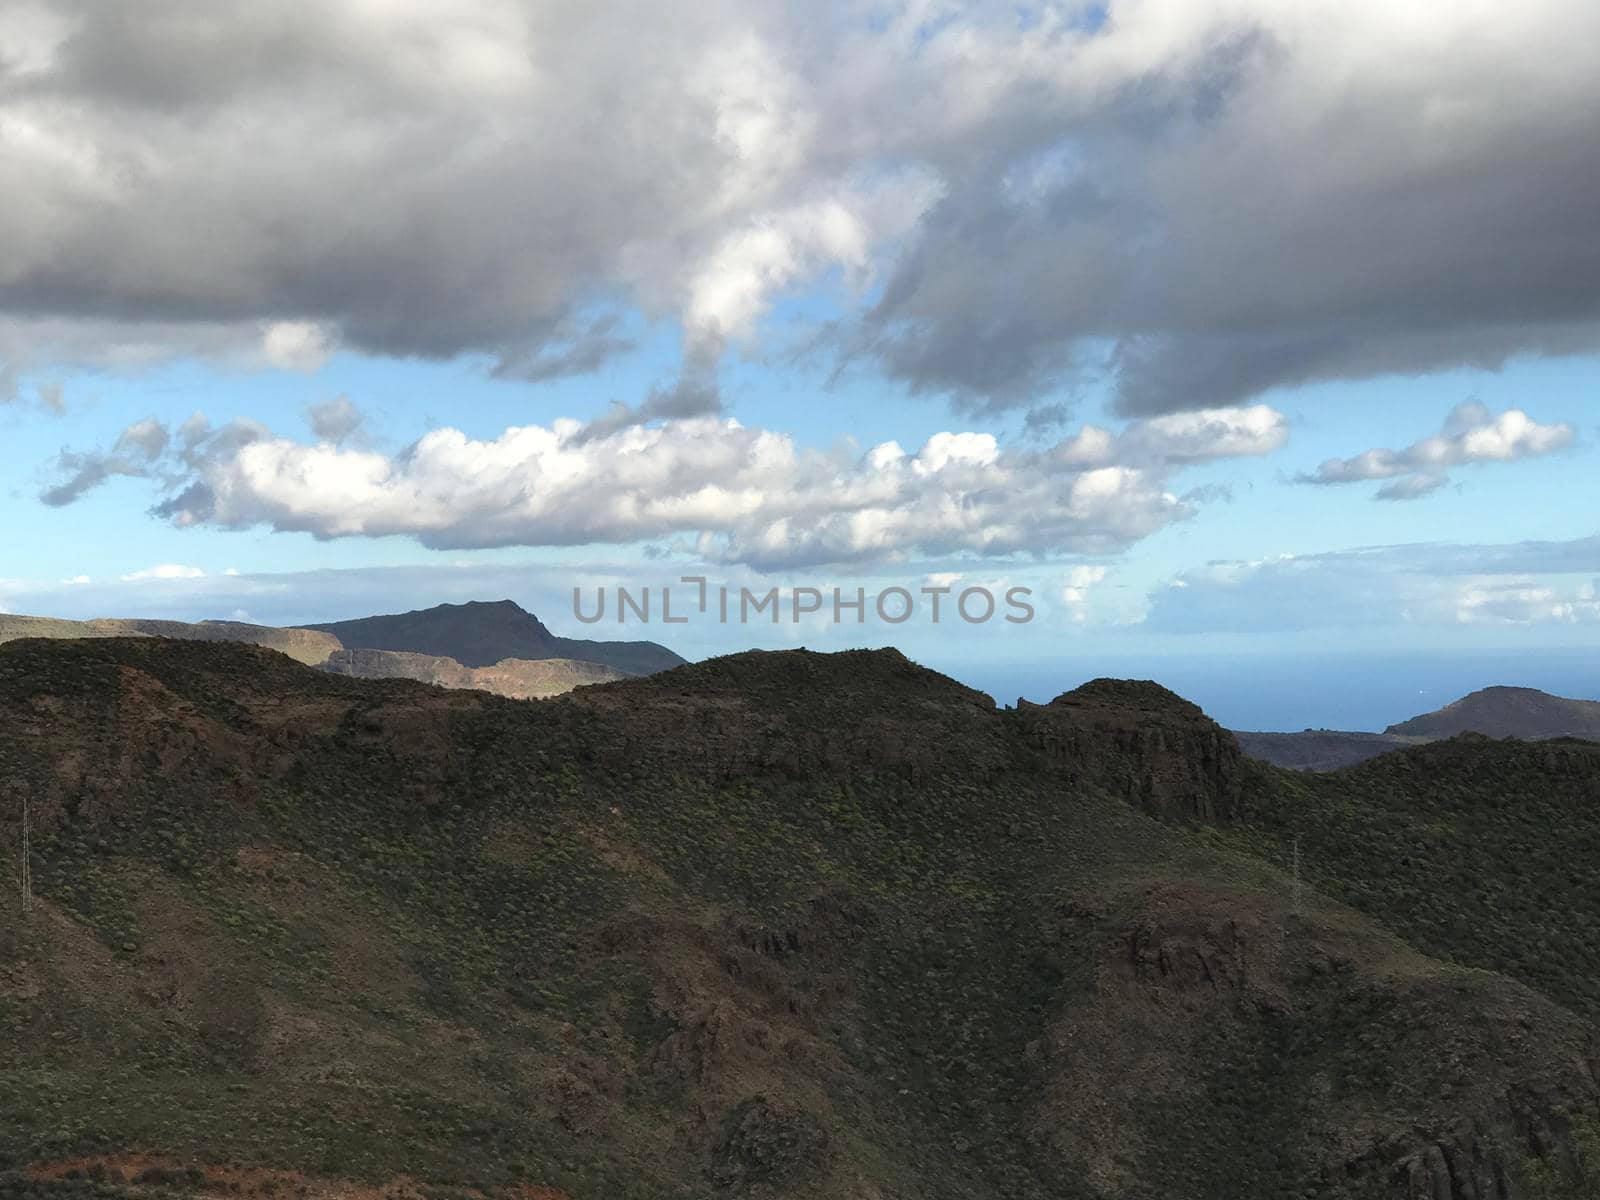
305 646
550 666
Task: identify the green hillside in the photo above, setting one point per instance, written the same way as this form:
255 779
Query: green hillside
787 924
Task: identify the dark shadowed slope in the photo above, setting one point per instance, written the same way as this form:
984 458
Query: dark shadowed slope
483 633
1318 749
1503 712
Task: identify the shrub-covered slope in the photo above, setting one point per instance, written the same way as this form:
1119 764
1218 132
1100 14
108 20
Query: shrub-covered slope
773 925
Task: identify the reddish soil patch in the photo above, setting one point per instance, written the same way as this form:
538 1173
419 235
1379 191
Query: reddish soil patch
229 1181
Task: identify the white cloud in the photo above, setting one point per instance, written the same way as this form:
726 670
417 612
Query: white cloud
1439 586
735 494
1211 433
1524 602
1471 434
163 571
1075 592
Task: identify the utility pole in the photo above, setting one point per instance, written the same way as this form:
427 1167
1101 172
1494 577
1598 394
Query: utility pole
27 855
1297 874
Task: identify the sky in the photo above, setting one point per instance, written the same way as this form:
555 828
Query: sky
1258 343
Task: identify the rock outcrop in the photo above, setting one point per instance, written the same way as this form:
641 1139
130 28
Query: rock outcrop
1137 740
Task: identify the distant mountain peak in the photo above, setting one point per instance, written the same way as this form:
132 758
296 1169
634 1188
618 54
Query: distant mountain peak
1519 712
481 633
1500 711
508 606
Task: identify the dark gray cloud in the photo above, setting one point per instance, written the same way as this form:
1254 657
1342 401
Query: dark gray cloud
334 420
136 452
572 348
694 394
1208 201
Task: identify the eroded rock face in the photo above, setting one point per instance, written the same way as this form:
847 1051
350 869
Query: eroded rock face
1141 742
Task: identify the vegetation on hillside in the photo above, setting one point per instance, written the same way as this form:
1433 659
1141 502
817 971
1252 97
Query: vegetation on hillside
775 925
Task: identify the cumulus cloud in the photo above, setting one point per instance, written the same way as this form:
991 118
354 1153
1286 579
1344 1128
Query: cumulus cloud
1471 434
725 491
1206 200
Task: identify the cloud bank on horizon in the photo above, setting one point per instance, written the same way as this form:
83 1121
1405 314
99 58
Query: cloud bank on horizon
1204 200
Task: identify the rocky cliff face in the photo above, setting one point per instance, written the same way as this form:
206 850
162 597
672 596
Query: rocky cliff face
1141 742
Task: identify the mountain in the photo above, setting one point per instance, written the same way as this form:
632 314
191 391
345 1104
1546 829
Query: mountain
300 644
1498 712
549 665
1503 712
772 925
520 679
482 633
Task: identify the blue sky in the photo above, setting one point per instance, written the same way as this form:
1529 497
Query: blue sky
1154 323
